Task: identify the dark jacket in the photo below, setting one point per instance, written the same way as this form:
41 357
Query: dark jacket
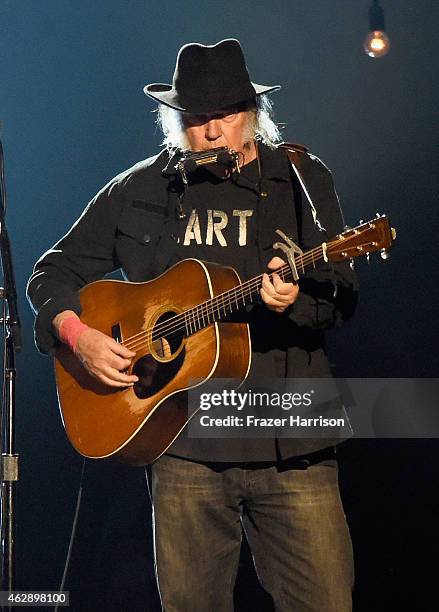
132 224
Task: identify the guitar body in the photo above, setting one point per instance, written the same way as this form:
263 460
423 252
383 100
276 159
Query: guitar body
175 325
139 423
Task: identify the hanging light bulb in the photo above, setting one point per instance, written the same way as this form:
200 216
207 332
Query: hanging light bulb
376 43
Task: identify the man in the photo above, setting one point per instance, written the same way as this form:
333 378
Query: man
281 492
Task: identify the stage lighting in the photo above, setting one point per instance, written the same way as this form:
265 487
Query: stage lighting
376 43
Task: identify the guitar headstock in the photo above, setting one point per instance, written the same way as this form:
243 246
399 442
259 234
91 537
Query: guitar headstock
374 235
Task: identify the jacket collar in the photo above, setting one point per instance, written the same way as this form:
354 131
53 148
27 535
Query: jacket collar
173 158
274 164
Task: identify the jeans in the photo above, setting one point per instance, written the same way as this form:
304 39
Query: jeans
293 520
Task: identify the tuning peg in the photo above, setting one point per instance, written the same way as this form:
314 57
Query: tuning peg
368 257
384 254
352 264
361 221
377 215
347 228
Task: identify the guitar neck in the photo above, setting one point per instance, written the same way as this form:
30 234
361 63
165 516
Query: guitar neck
374 235
233 300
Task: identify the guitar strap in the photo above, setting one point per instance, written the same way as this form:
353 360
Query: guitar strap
294 153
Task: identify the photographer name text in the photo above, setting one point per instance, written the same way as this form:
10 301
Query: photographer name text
251 420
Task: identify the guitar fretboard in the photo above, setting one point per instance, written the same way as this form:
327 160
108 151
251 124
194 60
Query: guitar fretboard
368 237
233 300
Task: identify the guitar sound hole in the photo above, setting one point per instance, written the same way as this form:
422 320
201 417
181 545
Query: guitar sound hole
154 373
170 335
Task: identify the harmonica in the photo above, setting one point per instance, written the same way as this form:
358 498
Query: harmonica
221 155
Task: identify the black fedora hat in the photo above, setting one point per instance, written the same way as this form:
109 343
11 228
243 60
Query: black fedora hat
208 78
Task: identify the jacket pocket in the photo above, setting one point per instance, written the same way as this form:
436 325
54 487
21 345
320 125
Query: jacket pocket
157 208
140 225
138 234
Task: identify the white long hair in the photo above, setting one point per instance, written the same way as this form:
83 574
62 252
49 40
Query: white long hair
260 125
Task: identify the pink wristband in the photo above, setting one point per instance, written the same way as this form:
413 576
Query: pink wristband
69 330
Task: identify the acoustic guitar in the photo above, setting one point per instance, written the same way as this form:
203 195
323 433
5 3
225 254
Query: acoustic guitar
176 325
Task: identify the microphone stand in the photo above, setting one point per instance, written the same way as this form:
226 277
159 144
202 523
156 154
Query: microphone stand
12 344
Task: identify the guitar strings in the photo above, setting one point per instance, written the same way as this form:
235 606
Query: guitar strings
222 301
194 316
190 320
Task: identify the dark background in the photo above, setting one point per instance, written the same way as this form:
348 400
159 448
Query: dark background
74 115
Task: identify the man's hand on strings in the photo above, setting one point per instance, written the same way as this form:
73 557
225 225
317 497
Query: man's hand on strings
104 358
101 355
276 294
